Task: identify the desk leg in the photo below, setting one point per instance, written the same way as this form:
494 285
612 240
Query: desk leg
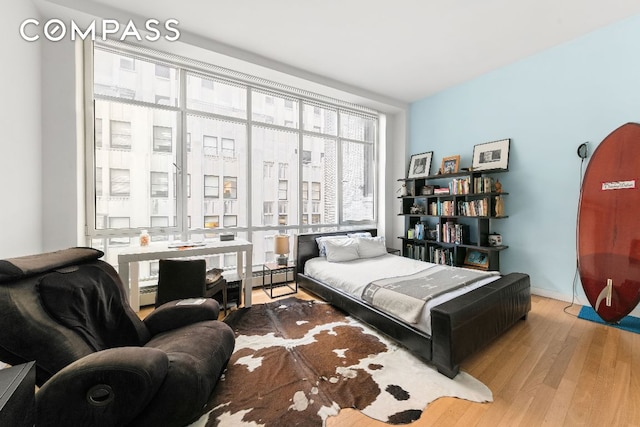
248 278
123 271
134 289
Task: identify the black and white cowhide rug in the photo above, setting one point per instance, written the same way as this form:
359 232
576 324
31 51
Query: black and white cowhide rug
296 363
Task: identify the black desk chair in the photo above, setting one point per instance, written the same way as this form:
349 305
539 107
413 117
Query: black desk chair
180 279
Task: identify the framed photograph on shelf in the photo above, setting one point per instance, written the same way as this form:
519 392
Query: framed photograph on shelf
450 164
420 165
477 259
491 155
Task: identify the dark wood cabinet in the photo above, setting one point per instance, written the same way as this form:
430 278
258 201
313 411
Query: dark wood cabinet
448 218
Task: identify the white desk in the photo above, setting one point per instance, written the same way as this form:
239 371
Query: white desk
129 271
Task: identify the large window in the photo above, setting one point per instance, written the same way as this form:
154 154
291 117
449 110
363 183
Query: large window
192 171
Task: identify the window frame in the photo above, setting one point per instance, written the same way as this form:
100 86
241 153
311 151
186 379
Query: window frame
182 146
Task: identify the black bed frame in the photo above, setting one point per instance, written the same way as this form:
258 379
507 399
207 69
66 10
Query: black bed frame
458 327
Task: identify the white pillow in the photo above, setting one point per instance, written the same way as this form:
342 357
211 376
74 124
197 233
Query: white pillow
321 242
339 250
371 247
359 234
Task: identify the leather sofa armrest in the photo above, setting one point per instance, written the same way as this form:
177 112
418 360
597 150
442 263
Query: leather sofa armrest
176 314
109 387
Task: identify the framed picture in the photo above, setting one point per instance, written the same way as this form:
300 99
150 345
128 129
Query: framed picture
450 164
420 165
491 155
477 259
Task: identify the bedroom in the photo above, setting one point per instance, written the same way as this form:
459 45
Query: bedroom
547 103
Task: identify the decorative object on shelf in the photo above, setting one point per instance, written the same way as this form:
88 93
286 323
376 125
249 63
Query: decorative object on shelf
420 165
416 209
498 186
499 206
495 239
403 190
491 155
477 259
281 247
144 238
410 233
450 164
427 190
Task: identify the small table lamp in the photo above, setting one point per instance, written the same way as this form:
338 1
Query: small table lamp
282 248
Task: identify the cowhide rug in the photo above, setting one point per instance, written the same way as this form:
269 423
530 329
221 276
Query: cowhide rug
296 363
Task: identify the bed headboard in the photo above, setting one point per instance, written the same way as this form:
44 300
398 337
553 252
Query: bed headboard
307 248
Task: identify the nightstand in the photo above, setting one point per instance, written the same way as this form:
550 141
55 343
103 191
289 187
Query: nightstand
270 268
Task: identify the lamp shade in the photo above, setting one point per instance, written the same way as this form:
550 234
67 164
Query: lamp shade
281 244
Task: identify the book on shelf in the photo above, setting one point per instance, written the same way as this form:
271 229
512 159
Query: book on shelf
440 256
443 190
453 232
446 208
483 184
416 252
459 186
479 207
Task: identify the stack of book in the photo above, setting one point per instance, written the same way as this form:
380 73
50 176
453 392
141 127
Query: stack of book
453 232
459 186
483 184
440 255
479 207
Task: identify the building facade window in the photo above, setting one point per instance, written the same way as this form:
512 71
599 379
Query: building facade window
211 186
98 173
211 221
230 187
283 189
162 137
163 71
159 184
98 132
120 182
210 144
228 147
120 134
267 169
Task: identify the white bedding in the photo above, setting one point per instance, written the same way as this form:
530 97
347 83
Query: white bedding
352 276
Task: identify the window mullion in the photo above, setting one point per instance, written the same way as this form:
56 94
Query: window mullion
248 185
182 160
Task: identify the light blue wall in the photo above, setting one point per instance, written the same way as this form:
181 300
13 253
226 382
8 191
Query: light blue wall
547 104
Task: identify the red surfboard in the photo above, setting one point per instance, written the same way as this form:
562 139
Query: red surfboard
609 225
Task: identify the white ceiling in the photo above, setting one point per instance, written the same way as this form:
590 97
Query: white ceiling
402 50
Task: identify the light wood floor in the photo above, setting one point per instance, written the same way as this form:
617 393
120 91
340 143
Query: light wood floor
551 370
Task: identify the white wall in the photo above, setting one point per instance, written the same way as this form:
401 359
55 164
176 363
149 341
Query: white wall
62 177
20 147
396 159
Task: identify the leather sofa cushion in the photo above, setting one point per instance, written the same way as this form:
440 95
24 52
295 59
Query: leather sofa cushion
87 300
19 267
197 354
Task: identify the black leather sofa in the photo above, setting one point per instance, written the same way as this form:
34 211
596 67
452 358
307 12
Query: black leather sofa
97 363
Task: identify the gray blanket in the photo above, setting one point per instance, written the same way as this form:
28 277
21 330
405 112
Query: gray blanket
405 296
